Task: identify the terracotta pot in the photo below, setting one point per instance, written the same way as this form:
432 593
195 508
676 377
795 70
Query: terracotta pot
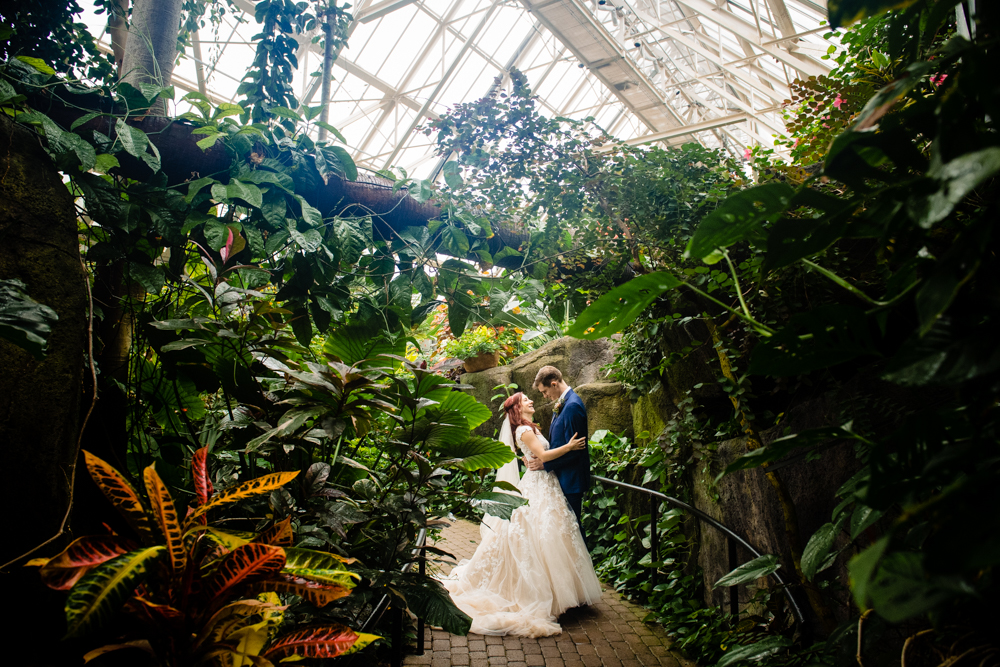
482 362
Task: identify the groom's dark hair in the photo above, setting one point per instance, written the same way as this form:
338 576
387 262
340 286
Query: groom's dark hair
546 375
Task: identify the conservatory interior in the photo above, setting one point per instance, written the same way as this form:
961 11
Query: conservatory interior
500 332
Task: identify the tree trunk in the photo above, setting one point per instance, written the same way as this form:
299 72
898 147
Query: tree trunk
39 401
152 46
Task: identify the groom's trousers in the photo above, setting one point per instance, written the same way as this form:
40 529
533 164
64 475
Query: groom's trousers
575 501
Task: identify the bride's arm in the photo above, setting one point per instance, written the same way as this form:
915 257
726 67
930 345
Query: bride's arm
535 445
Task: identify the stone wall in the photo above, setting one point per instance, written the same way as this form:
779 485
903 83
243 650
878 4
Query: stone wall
581 363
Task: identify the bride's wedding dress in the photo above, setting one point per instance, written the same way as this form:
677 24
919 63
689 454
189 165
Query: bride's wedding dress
529 570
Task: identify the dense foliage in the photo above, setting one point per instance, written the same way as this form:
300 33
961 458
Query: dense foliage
898 224
246 340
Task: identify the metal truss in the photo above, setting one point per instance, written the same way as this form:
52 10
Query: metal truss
668 71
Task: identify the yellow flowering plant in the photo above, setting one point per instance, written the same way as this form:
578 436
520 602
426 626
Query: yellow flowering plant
481 340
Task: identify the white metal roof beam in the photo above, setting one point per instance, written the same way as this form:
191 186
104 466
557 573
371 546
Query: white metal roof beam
410 73
441 84
709 12
700 126
380 9
575 25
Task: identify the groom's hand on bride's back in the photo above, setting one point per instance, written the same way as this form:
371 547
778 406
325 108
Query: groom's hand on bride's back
533 463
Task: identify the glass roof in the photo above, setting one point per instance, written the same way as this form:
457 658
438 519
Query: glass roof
714 71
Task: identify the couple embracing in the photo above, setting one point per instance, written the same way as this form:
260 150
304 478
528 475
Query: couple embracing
530 569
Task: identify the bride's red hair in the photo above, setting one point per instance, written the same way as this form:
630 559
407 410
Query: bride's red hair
512 406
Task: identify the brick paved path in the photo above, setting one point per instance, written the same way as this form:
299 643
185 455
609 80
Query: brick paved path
609 633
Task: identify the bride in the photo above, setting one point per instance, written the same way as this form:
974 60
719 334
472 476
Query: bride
529 570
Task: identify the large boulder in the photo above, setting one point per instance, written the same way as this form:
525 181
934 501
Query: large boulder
581 363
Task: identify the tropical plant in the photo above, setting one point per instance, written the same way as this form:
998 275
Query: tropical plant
896 231
189 584
481 340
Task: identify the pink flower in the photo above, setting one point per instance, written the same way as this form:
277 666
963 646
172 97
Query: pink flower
837 102
746 154
938 79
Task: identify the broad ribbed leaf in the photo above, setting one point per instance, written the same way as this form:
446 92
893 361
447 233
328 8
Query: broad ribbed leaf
500 505
103 590
428 599
755 569
621 306
245 564
358 345
84 554
475 413
318 593
199 474
254 487
166 517
121 494
739 218
476 453
437 429
325 641
278 535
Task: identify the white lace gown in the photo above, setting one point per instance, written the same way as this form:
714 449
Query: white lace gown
529 570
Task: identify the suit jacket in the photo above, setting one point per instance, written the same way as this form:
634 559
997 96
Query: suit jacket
573 468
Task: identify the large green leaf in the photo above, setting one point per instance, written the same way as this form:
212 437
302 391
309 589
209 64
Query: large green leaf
621 306
755 652
500 505
476 453
102 591
818 547
438 429
475 413
24 321
428 599
955 180
740 217
755 569
862 568
360 345
902 588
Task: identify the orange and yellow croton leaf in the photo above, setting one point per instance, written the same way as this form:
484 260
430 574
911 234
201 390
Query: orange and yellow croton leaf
121 494
324 641
82 555
166 516
254 487
244 564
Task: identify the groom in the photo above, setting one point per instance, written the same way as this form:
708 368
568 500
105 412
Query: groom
569 420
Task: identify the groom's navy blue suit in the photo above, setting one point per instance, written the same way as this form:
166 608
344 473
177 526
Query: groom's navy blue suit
573 468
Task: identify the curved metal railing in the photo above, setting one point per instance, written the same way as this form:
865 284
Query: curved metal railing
397 614
731 538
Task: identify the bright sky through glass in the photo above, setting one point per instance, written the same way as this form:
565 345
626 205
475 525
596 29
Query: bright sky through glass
715 67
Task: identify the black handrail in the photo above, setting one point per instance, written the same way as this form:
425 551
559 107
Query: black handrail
731 537
397 621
